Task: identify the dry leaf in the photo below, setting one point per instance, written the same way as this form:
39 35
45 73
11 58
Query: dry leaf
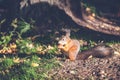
34 64
17 60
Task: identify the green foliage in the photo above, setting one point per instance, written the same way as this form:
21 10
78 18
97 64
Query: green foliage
23 27
26 46
6 63
27 72
48 65
53 50
5 39
83 48
28 68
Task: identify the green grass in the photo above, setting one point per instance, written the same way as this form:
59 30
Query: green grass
31 60
28 68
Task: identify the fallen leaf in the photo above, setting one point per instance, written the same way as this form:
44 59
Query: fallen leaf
34 64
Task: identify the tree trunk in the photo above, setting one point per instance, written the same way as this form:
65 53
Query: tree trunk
75 10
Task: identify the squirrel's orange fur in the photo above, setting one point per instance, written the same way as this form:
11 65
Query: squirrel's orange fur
70 46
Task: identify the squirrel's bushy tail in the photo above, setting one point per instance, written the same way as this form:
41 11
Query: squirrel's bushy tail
99 51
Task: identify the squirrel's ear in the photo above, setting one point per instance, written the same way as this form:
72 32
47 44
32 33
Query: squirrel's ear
68 34
67 31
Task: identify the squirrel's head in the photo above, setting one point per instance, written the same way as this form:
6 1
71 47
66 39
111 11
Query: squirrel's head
64 40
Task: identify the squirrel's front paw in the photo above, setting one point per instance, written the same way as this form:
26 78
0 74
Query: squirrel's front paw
60 46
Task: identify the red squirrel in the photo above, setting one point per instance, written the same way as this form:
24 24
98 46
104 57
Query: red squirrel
71 48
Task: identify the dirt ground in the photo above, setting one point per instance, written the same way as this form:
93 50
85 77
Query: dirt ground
90 69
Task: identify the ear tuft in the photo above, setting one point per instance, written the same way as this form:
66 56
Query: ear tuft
67 31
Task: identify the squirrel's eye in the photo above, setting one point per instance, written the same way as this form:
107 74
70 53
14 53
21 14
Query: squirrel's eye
64 45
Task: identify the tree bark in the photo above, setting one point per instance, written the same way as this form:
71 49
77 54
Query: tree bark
75 10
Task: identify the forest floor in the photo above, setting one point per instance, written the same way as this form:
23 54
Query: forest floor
48 65
90 69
